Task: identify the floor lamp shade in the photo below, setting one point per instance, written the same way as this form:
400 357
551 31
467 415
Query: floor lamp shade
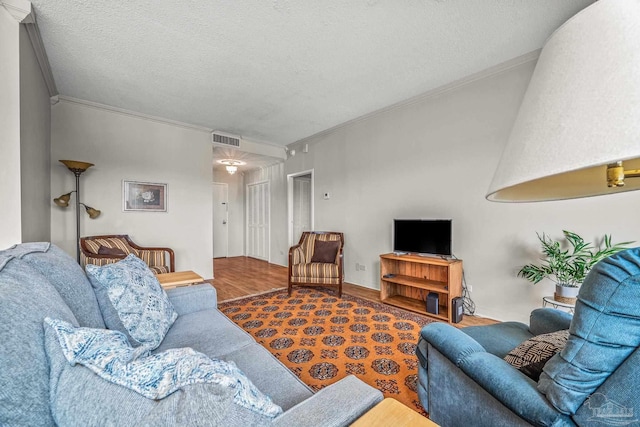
580 112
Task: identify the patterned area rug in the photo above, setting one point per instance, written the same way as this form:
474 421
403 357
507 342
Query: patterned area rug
322 338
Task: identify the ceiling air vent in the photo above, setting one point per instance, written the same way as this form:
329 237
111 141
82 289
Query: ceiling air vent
225 139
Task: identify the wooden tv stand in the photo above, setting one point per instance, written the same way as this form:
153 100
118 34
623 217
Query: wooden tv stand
405 281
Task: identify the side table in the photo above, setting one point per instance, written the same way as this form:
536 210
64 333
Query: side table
557 304
179 278
391 413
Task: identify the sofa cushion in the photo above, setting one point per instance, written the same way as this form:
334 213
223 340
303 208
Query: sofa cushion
531 356
605 330
159 269
220 335
109 355
270 375
26 298
132 300
315 270
64 273
81 398
325 251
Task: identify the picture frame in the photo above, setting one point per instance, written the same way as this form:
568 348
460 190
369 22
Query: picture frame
144 196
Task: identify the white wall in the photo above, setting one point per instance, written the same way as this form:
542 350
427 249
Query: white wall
435 158
25 122
128 147
236 210
275 175
35 146
10 219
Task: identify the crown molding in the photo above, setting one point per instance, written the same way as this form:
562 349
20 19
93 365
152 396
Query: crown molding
20 10
23 12
41 55
129 113
70 100
491 71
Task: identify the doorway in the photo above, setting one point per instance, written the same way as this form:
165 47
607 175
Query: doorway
258 212
300 190
220 220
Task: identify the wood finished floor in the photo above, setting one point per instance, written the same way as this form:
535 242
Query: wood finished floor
242 276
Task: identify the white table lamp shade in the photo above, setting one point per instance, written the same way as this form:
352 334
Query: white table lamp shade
580 112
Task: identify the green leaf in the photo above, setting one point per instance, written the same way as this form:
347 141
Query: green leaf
568 266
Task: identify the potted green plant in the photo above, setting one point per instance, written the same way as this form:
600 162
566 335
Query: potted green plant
568 265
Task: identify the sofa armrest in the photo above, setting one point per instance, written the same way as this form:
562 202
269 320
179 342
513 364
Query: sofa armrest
546 320
512 388
339 404
189 299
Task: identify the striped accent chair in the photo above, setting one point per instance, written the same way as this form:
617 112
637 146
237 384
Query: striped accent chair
101 250
317 260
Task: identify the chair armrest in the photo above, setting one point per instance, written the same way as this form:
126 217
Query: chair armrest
189 299
292 251
454 344
512 388
546 320
339 404
172 256
509 386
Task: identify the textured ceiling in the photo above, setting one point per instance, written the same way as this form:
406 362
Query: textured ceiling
281 70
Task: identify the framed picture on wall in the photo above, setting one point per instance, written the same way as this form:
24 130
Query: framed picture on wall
144 196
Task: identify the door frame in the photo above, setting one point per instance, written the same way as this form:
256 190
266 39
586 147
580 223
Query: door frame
226 186
246 215
290 178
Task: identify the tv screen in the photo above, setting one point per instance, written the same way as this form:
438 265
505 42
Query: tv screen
422 236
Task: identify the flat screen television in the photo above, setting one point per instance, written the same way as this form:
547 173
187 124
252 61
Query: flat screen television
422 236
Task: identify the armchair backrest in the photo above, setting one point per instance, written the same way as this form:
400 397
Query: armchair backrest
604 332
154 257
92 244
308 240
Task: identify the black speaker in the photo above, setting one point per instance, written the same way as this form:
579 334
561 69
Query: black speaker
432 303
457 310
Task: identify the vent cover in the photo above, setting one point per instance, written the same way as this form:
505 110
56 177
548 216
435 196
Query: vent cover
225 139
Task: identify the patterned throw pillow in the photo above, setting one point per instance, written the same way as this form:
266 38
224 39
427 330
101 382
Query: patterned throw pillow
531 356
154 376
132 300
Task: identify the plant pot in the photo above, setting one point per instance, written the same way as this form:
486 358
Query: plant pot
566 294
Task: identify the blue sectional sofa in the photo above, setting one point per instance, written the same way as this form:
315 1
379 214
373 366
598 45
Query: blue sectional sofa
40 388
594 380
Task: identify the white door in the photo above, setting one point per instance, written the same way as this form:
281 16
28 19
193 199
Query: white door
258 220
220 220
301 206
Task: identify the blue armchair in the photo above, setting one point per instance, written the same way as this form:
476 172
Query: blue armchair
464 380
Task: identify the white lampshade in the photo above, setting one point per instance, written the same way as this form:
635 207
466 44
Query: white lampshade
581 110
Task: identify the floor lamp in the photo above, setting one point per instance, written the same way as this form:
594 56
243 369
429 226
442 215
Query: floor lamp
577 131
63 201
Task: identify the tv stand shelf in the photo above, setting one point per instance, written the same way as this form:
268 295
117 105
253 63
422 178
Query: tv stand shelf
405 281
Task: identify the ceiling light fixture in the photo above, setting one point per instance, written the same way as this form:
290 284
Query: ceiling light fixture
577 131
231 165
